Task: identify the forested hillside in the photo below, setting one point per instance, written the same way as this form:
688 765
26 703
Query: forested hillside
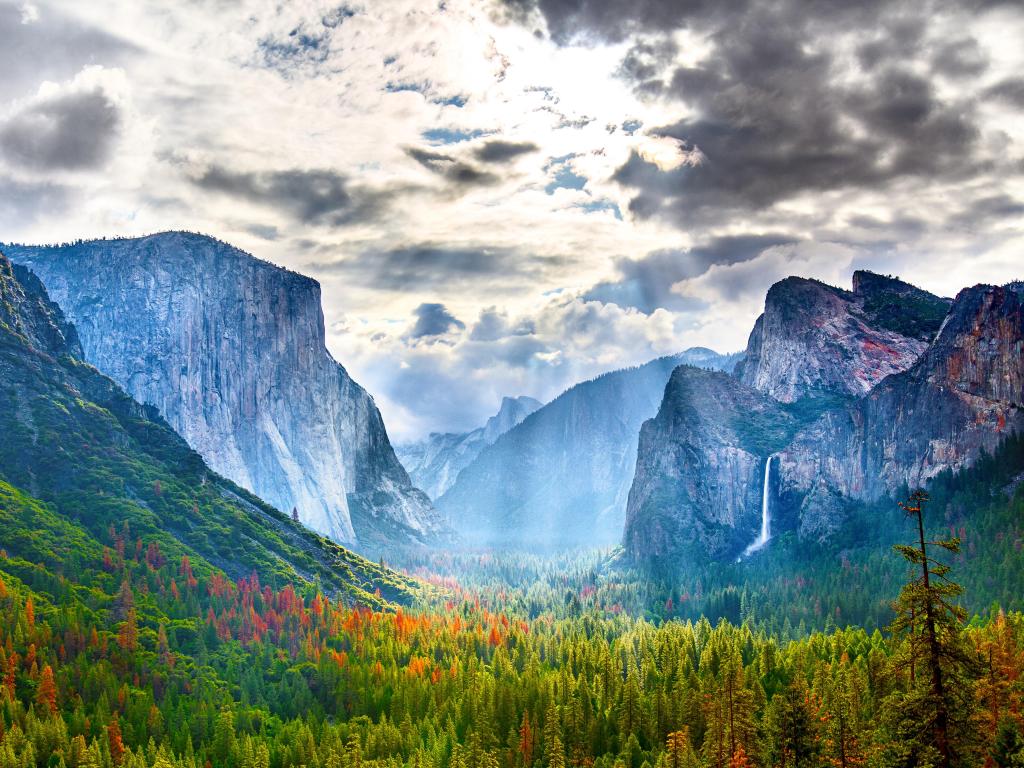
173 668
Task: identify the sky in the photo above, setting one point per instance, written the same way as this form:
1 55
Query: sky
505 197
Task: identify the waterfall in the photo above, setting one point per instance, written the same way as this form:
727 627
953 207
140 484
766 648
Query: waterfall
766 512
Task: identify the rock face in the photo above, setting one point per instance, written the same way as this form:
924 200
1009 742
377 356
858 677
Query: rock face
231 351
954 387
562 476
964 395
814 338
435 463
700 468
29 319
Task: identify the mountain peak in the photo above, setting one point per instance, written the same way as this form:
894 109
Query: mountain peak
512 411
815 338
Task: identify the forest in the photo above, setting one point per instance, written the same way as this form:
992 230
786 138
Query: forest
144 662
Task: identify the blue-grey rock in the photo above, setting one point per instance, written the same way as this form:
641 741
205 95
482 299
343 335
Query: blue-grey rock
231 350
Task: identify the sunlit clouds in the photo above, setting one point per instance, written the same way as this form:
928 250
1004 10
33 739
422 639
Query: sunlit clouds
502 198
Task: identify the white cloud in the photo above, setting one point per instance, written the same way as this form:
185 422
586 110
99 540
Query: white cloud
29 13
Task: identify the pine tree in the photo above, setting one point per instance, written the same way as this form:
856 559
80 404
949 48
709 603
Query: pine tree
793 727
115 742
678 750
936 713
526 740
224 738
1008 751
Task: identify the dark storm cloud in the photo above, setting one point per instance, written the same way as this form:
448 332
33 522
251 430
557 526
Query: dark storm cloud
74 131
646 283
498 151
961 58
311 196
990 210
53 47
457 172
433 320
773 112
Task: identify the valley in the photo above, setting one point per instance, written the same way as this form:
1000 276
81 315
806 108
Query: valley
685 563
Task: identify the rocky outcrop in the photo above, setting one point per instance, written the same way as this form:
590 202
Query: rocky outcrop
435 463
231 351
814 338
960 394
700 468
29 318
562 476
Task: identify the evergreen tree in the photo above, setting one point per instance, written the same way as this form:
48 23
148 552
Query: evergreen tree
933 716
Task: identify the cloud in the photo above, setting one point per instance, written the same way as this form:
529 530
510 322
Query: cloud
456 172
41 43
961 58
1010 91
306 47
453 381
746 282
433 320
646 283
498 151
65 128
990 211
494 324
777 108
22 201
424 266
319 196
785 132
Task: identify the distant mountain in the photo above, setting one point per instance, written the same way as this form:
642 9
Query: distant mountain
434 463
83 464
855 396
231 351
562 476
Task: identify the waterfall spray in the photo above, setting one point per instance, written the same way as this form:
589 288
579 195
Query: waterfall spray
766 512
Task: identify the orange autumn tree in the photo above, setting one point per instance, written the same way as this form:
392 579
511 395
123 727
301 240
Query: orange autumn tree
115 741
46 694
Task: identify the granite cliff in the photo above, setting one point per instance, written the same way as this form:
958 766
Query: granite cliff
814 338
700 467
231 351
962 397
